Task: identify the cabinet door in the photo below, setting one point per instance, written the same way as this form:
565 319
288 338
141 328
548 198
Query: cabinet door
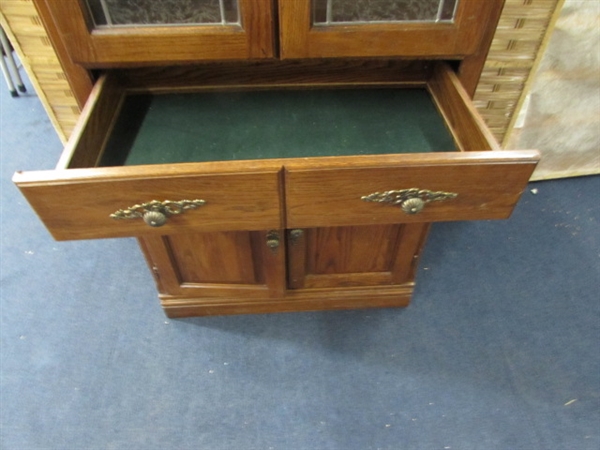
100 33
342 257
350 28
235 265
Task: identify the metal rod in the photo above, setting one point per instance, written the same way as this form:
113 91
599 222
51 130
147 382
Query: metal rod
11 61
7 78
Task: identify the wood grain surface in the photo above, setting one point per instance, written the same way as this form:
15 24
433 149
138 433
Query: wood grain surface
335 257
125 46
79 205
302 300
217 264
300 39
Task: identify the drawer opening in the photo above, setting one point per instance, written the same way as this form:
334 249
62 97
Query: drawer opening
438 144
247 125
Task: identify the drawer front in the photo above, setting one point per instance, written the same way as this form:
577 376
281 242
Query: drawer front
375 190
79 203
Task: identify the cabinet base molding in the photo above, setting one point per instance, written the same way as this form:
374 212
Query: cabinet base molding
308 300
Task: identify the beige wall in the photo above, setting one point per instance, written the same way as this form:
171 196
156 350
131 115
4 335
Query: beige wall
562 115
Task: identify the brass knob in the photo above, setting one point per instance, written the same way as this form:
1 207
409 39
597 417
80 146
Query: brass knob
295 236
412 205
155 218
273 240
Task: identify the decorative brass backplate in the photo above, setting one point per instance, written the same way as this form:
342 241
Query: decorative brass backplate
155 213
410 200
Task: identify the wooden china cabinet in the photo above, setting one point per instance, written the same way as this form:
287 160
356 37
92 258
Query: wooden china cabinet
277 156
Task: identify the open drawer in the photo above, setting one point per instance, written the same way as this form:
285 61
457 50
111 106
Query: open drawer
219 149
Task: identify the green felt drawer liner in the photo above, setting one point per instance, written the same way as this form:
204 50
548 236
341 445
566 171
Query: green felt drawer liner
221 126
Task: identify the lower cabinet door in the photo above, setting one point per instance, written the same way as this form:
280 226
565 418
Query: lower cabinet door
361 256
240 265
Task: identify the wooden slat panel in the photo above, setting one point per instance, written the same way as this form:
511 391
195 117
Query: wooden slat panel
63 83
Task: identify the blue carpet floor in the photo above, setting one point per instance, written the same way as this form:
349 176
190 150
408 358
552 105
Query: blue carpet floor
499 350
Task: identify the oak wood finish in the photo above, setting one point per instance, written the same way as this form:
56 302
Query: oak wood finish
77 203
471 65
217 264
301 300
215 259
94 125
111 47
79 79
299 39
272 74
335 257
329 194
454 103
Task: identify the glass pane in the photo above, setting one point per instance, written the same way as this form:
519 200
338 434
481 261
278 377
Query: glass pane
162 12
332 12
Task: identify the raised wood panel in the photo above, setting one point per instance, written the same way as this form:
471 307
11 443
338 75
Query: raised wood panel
216 264
220 257
336 257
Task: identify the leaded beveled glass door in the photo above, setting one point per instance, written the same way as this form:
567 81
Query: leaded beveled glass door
110 33
405 28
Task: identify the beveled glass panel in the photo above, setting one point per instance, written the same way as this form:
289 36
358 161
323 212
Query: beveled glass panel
333 12
114 13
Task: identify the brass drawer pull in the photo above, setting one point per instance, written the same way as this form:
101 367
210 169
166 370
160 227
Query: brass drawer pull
412 201
155 213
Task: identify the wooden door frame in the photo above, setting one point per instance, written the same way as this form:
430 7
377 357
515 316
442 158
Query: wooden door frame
299 39
102 48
